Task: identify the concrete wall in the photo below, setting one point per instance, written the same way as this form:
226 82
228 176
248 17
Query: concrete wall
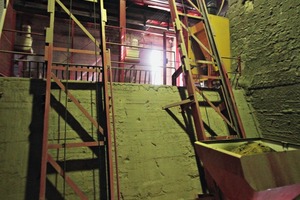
156 158
155 153
266 35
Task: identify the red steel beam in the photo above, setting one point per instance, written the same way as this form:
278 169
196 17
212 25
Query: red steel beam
79 144
61 172
48 58
165 58
122 24
76 102
50 76
113 125
105 65
191 88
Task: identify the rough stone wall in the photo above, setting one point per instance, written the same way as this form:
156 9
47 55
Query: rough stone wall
155 154
156 157
266 35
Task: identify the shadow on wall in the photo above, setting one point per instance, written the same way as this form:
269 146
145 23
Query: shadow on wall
94 164
37 90
187 126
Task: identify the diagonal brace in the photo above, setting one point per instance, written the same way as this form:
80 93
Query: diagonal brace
215 109
81 108
78 23
61 172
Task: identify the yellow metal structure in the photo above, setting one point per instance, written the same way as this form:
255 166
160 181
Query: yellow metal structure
3 8
220 29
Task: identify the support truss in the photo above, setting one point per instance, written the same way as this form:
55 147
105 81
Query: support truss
195 37
103 138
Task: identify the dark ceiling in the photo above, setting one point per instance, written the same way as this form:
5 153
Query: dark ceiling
140 14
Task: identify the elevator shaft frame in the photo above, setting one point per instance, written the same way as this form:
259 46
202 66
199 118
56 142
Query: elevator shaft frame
227 110
103 131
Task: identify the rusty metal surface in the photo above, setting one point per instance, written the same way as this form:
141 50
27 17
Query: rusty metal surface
46 157
122 24
273 175
105 64
186 69
204 49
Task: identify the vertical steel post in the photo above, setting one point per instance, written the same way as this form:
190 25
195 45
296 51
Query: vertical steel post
122 24
228 94
105 63
2 17
186 68
164 58
48 60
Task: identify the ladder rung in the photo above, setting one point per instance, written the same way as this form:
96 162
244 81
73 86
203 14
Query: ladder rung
82 51
79 144
204 77
78 69
191 16
186 101
223 137
205 62
177 72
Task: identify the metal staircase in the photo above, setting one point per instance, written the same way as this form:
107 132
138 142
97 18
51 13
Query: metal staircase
195 40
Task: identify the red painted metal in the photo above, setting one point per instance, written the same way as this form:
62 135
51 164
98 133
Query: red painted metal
261 176
79 144
141 31
122 24
105 65
114 127
182 40
17 31
226 89
165 58
7 39
46 157
207 47
61 172
290 192
48 59
76 102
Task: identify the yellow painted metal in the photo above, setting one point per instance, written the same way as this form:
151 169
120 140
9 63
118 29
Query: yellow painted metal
220 28
2 15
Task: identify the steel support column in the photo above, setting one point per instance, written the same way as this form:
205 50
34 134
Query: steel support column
165 58
48 60
103 130
203 44
105 64
2 17
122 24
228 94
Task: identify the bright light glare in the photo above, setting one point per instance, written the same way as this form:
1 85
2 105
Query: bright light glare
156 61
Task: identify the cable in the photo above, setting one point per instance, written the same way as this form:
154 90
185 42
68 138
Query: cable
97 79
221 7
66 98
